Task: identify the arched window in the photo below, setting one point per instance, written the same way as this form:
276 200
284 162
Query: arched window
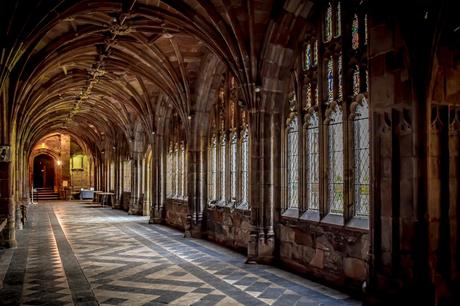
213 169
223 161
361 158
179 170
245 167
228 154
233 166
292 162
335 171
173 170
312 161
127 175
169 173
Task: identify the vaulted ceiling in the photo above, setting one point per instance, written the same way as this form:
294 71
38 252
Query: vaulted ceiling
93 68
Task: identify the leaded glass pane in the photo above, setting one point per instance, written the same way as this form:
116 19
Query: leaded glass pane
338 29
313 163
330 79
179 172
315 53
356 81
365 30
292 163
328 23
308 95
340 87
169 174
245 167
361 159
183 180
223 148
317 94
307 57
335 163
213 170
233 166
355 32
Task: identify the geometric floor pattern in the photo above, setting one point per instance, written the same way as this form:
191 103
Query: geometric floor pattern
82 254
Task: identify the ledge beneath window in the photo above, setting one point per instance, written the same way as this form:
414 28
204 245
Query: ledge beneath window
333 219
291 213
361 223
311 215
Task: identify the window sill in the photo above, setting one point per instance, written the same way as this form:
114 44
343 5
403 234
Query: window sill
311 215
361 223
291 213
333 219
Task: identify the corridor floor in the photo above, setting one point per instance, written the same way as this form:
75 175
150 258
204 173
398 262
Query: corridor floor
77 253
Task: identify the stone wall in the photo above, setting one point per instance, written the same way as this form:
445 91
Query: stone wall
176 213
334 254
228 227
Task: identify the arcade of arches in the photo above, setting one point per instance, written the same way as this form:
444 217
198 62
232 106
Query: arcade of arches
319 136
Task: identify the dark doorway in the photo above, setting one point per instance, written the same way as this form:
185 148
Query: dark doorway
43 171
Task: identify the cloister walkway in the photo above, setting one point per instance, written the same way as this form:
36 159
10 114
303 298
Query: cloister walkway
77 253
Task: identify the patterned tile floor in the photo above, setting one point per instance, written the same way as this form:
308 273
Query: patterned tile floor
76 253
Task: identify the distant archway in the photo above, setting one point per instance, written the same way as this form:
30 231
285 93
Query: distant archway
44 171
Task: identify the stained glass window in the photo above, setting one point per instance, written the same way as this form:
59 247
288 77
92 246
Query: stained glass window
338 28
183 178
355 32
367 80
315 54
233 166
365 29
356 81
335 163
361 159
127 175
328 24
213 170
308 95
292 163
317 94
112 176
313 162
340 77
174 172
245 167
179 171
330 79
308 57
223 161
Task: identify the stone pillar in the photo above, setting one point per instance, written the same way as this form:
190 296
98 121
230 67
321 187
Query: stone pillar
156 213
261 242
398 260
134 198
193 191
7 202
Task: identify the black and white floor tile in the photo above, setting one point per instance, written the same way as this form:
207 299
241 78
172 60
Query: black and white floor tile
77 253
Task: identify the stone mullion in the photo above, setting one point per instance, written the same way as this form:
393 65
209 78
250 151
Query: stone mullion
301 164
348 158
116 177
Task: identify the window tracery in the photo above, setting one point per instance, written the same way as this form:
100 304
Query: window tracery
229 151
333 145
